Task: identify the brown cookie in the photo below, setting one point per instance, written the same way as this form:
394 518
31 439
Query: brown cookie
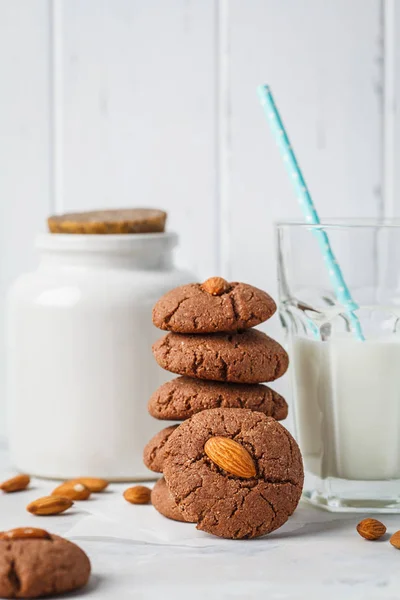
247 357
183 397
194 308
153 453
225 504
133 220
163 501
32 567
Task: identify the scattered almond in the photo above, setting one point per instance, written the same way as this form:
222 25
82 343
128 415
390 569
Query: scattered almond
49 505
73 490
139 494
24 533
15 484
94 484
230 456
371 529
216 286
395 540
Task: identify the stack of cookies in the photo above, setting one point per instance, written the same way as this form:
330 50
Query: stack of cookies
221 362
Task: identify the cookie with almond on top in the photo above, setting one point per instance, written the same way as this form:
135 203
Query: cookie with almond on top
213 306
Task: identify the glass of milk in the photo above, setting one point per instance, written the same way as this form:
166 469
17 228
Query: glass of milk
346 391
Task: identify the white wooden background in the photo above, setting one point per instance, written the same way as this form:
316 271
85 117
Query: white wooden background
113 103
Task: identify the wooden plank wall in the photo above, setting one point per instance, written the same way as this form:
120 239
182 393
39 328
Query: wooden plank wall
112 103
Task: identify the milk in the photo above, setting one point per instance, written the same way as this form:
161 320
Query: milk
347 406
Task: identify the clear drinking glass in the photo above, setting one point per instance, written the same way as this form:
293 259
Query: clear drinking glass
346 392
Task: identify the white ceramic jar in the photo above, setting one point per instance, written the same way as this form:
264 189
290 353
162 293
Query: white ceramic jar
80 366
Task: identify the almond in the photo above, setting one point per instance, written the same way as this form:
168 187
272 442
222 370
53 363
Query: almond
216 286
94 484
25 533
15 484
49 505
73 490
139 494
395 540
371 529
230 456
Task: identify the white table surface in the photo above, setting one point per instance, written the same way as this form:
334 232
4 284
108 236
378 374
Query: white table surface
315 555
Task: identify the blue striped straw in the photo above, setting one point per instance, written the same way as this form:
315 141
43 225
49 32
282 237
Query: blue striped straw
341 290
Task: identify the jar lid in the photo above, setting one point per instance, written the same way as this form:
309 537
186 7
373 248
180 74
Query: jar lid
121 221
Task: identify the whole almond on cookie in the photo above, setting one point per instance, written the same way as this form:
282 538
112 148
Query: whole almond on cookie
395 540
15 484
371 529
230 456
73 490
49 505
21 533
216 286
94 484
138 494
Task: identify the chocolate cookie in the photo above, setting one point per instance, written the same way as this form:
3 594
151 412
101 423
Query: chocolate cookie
163 501
153 453
268 482
248 357
134 220
34 563
183 397
214 306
